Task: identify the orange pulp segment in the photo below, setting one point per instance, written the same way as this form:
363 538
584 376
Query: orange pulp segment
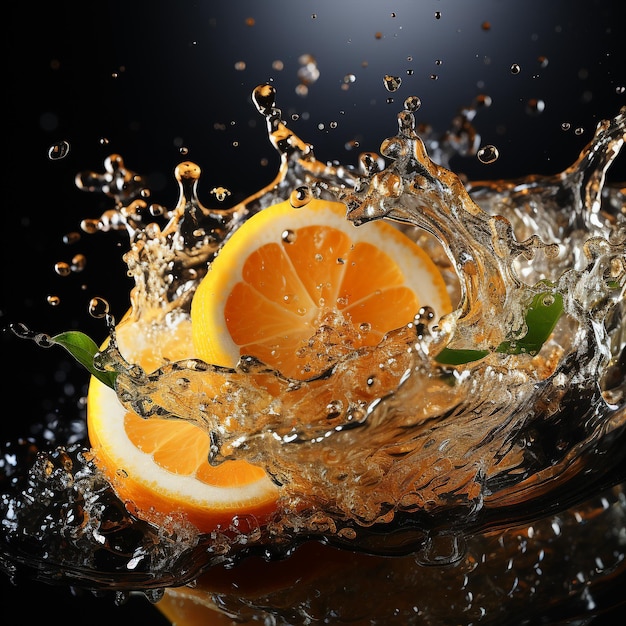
287 272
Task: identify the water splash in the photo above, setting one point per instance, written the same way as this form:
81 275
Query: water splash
374 465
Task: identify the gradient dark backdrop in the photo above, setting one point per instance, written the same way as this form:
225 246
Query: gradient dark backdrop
151 77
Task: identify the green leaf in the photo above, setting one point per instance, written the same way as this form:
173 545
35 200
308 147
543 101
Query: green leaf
452 356
83 349
541 318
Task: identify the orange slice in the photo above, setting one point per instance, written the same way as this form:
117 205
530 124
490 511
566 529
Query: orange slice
159 466
279 278
287 272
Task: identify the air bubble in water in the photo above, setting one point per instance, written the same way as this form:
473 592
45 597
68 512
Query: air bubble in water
300 196
58 150
488 154
288 236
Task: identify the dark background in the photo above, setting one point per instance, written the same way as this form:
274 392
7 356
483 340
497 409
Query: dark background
152 77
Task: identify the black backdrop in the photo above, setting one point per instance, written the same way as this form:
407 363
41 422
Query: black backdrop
152 77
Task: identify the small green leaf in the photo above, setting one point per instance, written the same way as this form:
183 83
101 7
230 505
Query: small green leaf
452 356
541 318
83 349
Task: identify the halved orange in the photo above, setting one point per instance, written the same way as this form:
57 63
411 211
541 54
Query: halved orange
286 273
283 275
160 466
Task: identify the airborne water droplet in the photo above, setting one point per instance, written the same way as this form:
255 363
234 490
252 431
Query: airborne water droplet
58 150
98 307
488 154
515 68
412 103
221 193
535 106
392 83
79 262
62 268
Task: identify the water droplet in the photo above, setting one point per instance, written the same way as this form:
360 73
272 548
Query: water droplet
565 126
308 72
53 300
98 307
483 100
90 226
220 193
437 15
488 154
412 103
535 106
620 90
58 150
434 77
365 327
62 268
300 196
392 83
579 131
543 61
515 68
71 238
157 209
79 262
349 78
289 236
334 409
240 66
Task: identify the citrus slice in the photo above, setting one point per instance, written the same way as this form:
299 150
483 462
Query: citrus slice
159 466
286 273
